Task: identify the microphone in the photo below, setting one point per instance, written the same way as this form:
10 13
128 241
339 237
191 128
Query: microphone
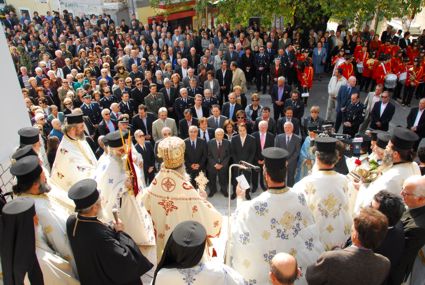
115 214
249 166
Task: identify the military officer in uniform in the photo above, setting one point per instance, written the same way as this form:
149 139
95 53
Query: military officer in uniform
182 103
261 64
353 115
154 100
103 255
91 109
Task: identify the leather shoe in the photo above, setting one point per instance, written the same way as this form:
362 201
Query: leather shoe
211 194
225 194
233 197
247 196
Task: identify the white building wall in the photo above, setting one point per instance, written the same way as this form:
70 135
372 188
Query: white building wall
13 115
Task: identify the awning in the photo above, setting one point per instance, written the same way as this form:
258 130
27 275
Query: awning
174 16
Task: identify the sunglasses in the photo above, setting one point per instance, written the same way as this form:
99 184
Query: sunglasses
107 92
240 117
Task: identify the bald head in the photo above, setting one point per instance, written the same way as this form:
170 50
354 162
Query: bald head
283 269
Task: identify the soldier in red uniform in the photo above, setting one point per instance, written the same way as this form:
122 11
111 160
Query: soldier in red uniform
347 66
383 69
368 67
414 77
307 78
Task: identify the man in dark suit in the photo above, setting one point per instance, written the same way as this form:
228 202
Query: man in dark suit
204 131
230 108
243 148
182 103
231 54
216 120
193 58
145 148
185 123
289 117
357 264
405 41
296 104
193 88
107 99
280 93
106 126
170 95
413 221
91 109
265 116
139 92
382 113
263 140
416 121
143 121
224 77
195 156
292 144
127 105
343 99
218 162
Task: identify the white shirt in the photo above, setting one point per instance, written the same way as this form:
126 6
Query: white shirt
383 106
199 112
418 117
184 72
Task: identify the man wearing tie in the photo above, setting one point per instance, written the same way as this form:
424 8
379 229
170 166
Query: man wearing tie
162 122
230 108
291 143
280 92
127 104
224 77
263 139
195 156
204 132
145 148
216 120
185 123
169 96
343 99
289 117
218 162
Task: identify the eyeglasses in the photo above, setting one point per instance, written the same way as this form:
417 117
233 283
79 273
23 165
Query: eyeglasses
384 97
240 117
128 82
107 92
255 100
404 193
107 114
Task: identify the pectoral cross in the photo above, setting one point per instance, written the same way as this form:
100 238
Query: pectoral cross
202 181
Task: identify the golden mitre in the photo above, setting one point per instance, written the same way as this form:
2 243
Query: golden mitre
171 150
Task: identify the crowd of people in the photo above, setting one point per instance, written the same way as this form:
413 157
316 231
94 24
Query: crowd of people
129 117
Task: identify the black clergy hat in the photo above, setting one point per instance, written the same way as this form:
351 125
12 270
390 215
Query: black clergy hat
274 158
74 119
29 135
326 144
84 193
18 206
403 138
27 168
189 234
23 152
115 139
383 139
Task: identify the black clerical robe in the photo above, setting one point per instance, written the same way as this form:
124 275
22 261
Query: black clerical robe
104 256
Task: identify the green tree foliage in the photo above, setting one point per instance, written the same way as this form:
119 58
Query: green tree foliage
310 12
